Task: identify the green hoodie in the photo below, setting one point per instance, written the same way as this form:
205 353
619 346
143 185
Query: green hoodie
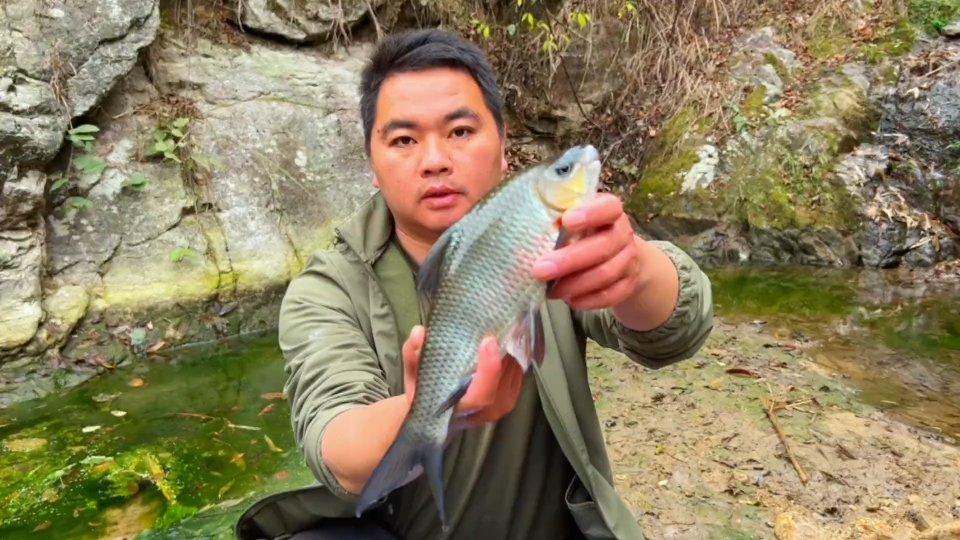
342 325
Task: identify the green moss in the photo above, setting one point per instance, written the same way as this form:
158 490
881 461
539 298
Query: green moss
775 186
753 106
174 465
927 15
778 66
827 46
672 153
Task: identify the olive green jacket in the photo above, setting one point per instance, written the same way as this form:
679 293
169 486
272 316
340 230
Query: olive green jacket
337 313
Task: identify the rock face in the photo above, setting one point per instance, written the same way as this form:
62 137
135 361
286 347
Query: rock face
300 20
51 72
862 172
107 232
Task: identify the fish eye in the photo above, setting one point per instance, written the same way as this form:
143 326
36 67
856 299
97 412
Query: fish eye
563 169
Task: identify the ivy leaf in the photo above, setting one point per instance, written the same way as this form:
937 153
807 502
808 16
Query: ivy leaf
83 129
88 164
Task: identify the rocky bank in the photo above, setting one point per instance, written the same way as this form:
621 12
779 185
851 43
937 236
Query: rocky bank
161 181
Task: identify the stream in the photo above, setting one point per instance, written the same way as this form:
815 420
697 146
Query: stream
201 432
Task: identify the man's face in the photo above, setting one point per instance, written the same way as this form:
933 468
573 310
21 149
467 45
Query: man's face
434 149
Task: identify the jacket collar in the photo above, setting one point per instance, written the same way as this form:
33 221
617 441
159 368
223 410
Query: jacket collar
368 230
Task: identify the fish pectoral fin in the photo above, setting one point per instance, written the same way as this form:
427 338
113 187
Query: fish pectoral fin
457 394
525 342
565 238
428 276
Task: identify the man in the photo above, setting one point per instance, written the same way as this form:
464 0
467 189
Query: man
534 464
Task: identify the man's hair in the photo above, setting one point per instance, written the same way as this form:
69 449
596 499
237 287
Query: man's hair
422 50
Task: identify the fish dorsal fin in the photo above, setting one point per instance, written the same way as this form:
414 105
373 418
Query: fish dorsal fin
428 276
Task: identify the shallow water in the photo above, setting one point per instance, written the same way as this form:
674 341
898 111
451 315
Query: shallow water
196 437
896 340
202 433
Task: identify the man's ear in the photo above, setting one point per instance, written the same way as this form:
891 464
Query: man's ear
503 151
376 181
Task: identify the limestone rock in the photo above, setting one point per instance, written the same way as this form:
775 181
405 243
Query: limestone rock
20 198
758 60
704 171
300 20
55 72
20 262
285 126
63 309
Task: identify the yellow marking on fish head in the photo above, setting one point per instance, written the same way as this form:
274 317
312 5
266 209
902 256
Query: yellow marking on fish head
570 179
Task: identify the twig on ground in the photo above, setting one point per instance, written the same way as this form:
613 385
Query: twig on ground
770 408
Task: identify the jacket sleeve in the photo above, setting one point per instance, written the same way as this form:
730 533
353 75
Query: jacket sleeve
679 338
330 365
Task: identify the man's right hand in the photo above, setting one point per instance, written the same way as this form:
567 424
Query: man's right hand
495 386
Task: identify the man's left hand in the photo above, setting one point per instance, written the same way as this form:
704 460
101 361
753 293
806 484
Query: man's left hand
602 268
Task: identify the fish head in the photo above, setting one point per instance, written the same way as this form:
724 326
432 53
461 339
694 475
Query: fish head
569 179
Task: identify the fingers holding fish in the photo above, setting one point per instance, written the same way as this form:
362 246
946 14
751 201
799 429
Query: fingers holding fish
605 209
603 285
411 360
494 389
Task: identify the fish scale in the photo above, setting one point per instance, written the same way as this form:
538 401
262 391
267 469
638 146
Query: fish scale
474 306
479 277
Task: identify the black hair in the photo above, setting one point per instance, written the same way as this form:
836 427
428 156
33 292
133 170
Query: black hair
419 50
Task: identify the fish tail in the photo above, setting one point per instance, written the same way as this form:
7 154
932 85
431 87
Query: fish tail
404 461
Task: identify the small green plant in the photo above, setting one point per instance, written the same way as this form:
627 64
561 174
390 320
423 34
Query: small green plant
81 136
171 139
167 138
74 204
137 182
179 254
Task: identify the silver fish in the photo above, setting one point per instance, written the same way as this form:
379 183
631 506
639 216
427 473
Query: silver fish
479 275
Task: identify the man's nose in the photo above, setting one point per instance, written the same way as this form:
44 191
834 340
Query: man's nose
435 159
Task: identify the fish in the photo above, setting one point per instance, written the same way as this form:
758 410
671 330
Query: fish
479 277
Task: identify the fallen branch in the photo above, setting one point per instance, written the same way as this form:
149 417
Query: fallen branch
769 407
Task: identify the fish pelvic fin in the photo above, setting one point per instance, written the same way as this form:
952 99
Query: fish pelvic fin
403 463
457 394
525 341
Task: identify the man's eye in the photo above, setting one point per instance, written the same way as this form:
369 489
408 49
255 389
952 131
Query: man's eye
461 132
402 141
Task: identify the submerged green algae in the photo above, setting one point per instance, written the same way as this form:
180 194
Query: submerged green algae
200 434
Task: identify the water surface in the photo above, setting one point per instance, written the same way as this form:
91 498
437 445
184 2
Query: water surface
896 339
201 434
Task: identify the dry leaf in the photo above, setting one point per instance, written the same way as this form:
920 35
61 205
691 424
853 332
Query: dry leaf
157 346
136 381
274 395
742 371
282 475
265 410
42 526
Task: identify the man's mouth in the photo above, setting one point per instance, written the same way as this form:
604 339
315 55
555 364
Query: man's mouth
439 197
